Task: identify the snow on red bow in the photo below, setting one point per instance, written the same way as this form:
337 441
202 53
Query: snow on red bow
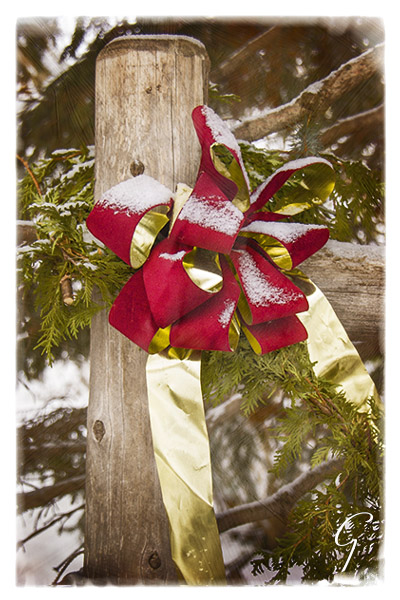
218 269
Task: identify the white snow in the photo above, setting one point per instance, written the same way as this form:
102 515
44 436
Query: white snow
65 383
220 131
355 252
173 257
285 232
222 217
76 168
136 195
315 87
225 316
257 285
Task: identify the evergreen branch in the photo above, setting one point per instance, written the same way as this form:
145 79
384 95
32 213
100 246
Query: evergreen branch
23 161
281 503
63 248
310 539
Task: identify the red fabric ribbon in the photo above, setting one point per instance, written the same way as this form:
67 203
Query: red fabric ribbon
255 291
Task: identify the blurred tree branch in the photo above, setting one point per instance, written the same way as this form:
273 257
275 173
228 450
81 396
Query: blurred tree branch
353 124
42 496
279 504
228 67
36 532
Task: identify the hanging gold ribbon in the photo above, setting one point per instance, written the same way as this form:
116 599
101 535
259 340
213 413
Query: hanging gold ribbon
182 453
329 347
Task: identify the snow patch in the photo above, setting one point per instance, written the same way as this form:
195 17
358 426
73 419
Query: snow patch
285 232
224 218
173 257
258 287
223 135
225 316
220 131
373 253
136 195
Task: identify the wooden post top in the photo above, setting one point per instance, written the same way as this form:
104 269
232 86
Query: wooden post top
185 45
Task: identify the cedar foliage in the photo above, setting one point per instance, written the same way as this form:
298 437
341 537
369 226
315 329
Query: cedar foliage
316 424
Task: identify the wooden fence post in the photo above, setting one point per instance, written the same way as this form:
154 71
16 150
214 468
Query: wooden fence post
146 89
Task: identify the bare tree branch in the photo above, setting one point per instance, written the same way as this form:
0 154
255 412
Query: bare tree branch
26 232
317 96
353 124
65 564
47 493
279 504
48 525
53 449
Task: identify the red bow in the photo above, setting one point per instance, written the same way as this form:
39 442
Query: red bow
221 267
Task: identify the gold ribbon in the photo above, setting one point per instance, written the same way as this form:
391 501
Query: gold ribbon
145 234
330 348
182 453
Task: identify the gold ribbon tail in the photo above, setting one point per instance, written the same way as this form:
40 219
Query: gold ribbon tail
330 348
182 453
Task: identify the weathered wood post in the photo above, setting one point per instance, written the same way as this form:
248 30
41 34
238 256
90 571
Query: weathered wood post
146 89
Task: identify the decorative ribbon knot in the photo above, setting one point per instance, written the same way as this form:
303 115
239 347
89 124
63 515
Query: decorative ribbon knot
225 262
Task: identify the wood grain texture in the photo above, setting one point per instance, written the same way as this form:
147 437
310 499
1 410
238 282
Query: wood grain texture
146 89
352 277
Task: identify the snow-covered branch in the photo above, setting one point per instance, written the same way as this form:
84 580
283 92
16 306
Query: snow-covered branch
279 504
317 96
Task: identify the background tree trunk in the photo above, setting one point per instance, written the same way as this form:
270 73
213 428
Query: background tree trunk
146 88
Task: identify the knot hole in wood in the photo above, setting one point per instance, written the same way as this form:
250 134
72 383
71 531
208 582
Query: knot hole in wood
154 560
136 167
98 430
